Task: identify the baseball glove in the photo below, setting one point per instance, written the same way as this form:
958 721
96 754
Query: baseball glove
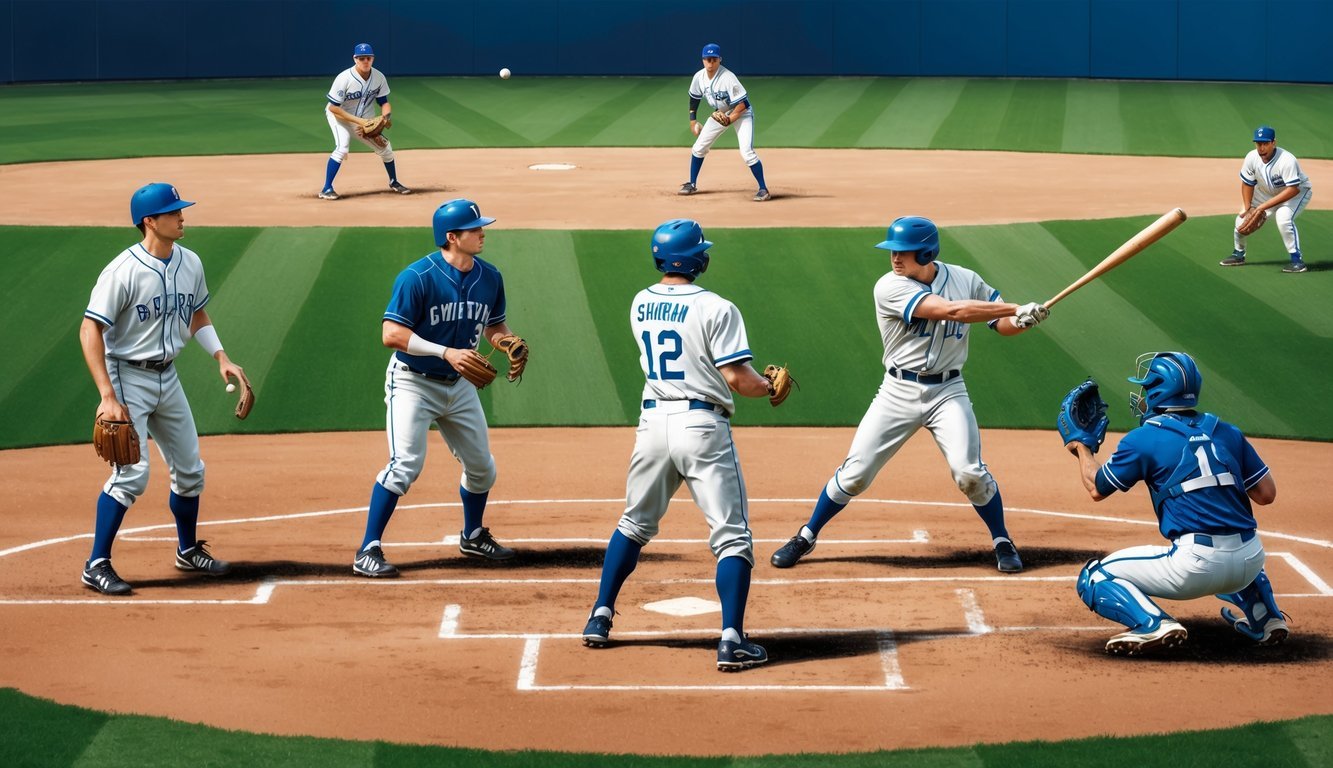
375 126
116 442
476 369
247 399
722 117
780 383
517 351
1083 416
1251 221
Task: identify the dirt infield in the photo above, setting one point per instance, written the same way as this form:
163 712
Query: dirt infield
897 632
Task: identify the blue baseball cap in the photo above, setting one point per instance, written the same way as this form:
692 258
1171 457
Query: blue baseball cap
153 199
363 49
1265 133
711 50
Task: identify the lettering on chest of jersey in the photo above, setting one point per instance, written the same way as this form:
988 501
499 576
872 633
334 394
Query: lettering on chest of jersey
947 329
460 310
666 311
181 304
354 95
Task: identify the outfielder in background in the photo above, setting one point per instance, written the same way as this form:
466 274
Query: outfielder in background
442 305
1271 184
147 304
347 111
694 354
1203 476
925 309
731 106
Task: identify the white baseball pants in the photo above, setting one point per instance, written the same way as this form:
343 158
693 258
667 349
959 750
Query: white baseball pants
159 410
712 130
342 136
1285 217
1189 568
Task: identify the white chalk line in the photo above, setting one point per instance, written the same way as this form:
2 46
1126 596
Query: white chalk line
976 620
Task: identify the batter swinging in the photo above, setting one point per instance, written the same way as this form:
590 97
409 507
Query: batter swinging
924 308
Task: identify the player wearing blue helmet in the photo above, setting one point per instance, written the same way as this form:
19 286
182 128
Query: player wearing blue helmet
146 306
925 309
1203 476
349 106
694 354
442 305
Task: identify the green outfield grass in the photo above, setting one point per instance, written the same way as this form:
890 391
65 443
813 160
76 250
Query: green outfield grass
99 120
300 308
36 733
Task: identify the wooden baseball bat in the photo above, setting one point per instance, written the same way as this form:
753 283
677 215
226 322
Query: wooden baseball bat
1131 248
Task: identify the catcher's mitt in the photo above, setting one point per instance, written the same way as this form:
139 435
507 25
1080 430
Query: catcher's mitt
475 369
517 351
375 126
1251 221
116 442
1083 416
780 383
722 117
247 399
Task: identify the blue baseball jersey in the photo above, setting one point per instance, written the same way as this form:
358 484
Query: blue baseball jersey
448 307
1198 479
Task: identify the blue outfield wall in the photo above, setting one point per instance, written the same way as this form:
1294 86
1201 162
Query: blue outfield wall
1278 40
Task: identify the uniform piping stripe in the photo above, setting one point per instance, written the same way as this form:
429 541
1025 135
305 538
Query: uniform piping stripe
744 353
88 313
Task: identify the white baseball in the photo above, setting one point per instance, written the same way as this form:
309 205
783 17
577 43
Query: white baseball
231 387
505 73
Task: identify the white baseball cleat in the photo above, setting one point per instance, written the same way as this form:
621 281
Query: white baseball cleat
1169 634
328 194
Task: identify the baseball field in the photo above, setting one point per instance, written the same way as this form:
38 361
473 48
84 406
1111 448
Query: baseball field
896 642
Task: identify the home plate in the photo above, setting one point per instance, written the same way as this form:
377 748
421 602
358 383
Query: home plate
683 606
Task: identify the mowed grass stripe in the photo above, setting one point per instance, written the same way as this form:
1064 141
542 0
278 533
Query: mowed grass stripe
815 113
1093 121
915 115
856 117
646 120
568 380
977 116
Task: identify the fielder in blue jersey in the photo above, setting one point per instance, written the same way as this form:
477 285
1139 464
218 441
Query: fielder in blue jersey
442 305
1203 476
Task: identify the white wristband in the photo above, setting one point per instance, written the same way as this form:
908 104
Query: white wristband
208 339
422 348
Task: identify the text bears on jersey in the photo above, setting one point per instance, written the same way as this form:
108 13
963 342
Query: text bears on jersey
462 310
178 303
665 311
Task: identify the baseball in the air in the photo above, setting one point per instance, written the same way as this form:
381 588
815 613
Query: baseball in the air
231 387
505 73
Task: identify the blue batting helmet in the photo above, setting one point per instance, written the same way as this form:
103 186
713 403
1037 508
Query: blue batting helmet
363 49
913 233
679 248
457 215
153 199
1170 380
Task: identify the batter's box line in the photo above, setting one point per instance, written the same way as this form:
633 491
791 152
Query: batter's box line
918 537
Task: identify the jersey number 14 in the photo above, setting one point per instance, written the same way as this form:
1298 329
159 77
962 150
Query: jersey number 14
669 342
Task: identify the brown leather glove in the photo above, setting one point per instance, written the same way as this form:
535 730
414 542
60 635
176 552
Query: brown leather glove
1251 221
476 369
116 442
516 350
779 383
722 117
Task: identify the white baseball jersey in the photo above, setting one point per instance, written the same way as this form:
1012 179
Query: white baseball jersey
721 91
354 95
685 333
147 304
926 346
1274 176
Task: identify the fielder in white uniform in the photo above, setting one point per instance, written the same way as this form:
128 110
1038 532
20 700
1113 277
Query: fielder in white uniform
349 103
718 86
1271 180
925 308
694 353
147 303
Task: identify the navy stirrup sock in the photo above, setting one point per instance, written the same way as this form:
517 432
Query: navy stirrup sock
992 514
825 509
110 513
474 506
186 511
733 588
382 503
622 555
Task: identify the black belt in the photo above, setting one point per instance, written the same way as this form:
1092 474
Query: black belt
1207 540
925 378
695 405
150 365
431 376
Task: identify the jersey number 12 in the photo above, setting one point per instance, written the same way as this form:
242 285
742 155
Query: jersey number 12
667 355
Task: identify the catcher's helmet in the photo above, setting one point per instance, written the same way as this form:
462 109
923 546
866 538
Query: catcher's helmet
457 215
1170 380
679 248
154 199
913 233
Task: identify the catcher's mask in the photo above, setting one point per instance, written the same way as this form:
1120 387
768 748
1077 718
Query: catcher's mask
154 199
1170 381
913 233
457 215
679 248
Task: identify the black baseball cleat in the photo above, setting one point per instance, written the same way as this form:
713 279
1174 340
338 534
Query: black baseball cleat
1006 557
1236 259
370 563
597 634
734 656
484 545
399 188
790 554
103 578
687 188
199 560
